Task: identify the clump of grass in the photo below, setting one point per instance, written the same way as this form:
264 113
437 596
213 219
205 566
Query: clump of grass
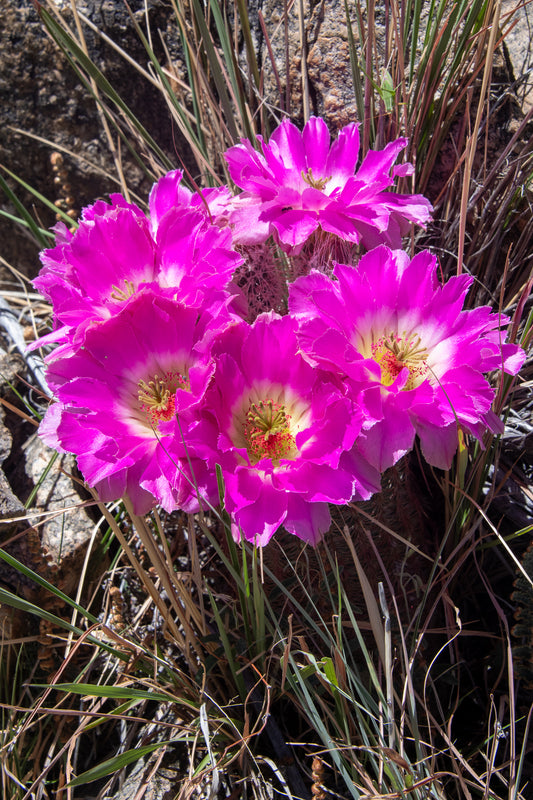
324 672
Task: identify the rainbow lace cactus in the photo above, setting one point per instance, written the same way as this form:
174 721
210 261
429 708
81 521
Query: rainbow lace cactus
391 325
183 344
283 433
298 183
125 401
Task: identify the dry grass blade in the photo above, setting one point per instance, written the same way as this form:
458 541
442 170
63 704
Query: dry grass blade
146 580
367 651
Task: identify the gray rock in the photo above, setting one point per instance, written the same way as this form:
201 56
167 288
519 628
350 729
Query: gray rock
11 364
164 785
10 323
10 505
519 43
326 46
5 439
329 66
64 536
58 545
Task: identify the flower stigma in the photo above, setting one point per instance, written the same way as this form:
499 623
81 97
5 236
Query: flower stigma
315 183
121 295
267 432
395 353
157 398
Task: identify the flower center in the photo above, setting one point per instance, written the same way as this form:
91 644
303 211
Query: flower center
157 398
315 183
121 295
394 353
267 432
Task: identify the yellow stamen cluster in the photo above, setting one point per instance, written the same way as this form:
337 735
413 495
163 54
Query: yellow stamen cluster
157 398
395 353
121 295
315 183
267 431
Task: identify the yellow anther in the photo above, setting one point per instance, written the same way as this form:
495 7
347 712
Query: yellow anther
315 183
120 295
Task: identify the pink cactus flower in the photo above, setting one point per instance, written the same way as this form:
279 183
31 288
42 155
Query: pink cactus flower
169 195
392 323
89 275
300 183
282 432
126 401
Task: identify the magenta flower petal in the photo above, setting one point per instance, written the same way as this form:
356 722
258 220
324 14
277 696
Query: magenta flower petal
117 251
195 483
377 163
116 485
407 208
89 274
315 483
316 146
289 147
438 444
389 324
302 183
247 168
170 197
127 400
385 443
308 521
278 428
341 160
260 519
194 256
294 227
339 224
356 462
244 219
168 194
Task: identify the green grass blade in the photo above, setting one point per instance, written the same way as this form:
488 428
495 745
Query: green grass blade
195 102
299 685
44 200
355 66
117 693
51 461
228 649
247 34
48 237
114 764
231 63
26 217
11 600
225 102
29 573
169 94
75 53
